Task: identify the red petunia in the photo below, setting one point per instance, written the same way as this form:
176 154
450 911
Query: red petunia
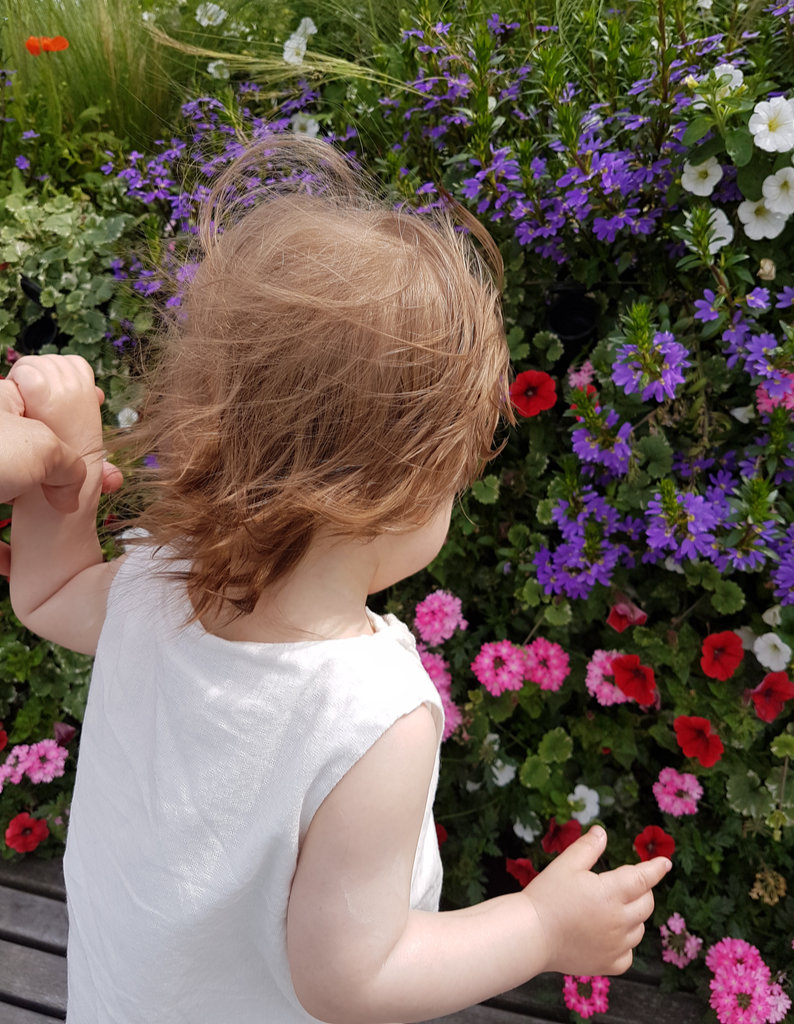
560 837
771 694
722 654
521 869
654 842
25 833
637 681
533 391
38 44
441 834
3 737
696 739
625 613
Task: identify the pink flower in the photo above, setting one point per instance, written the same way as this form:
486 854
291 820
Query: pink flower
779 1005
45 761
16 763
582 377
500 666
438 616
438 670
679 947
728 953
598 668
586 995
677 793
766 402
741 994
546 663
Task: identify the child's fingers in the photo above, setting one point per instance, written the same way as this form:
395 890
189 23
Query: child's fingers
112 477
10 398
635 880
584 853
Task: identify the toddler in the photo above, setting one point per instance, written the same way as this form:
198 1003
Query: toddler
251 838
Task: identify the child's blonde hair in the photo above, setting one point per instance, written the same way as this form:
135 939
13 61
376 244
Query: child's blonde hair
337 362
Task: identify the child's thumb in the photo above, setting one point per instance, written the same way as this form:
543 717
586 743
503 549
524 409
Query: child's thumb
588 848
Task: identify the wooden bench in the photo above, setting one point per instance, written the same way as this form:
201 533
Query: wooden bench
33 928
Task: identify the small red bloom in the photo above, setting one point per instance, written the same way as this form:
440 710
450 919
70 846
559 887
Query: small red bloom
33 45
722 654
696 739
4 523
771 694
625 613
521 869
634 679
533 391
654 842
441 834
38 44
3 737
560 837
25 833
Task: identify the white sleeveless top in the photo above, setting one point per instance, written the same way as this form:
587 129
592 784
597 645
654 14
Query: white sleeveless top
202 763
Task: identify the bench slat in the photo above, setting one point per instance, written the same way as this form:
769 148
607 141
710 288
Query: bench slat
44 877
487 1015
16 1015
33 920
33 977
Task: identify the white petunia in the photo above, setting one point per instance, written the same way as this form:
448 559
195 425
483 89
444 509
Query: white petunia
747 636
771 652
503 773
729 77
721 230
700 179
778 191
743 413
127 417
295 48
672 566
302 124
208 14
525 832
772 125
589 797
472 787
218 69
773 616
759 221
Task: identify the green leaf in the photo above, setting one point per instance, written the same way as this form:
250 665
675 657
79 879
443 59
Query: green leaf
486 490
658 453
530 593
739 143
518 535
728 597
558 614
750 180
556 746
533 773
783 745
696 129
746 795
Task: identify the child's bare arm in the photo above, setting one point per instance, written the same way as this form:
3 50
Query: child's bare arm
359 955
58 579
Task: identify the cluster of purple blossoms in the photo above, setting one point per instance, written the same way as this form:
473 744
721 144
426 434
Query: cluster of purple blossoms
681 525
608 445
655 370
783 572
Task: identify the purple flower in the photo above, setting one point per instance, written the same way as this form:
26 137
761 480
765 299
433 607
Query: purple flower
656 368
30 134
22 163
785 298
705 308
682 524
758 298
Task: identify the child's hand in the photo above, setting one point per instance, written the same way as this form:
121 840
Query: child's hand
591 923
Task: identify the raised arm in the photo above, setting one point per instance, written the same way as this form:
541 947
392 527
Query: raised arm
58 579
359 955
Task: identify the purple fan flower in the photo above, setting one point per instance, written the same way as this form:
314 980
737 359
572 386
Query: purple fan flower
657 369
705 308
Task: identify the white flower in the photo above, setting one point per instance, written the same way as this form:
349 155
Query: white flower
589 797
778 191
701 178
127 417
472 787
704 5
747 636
307 28
759 221
721 230
672 566
730 78
147 15
295 48
218 69
771 652
210 14
773 616
503 773
525 832
743 413
772 125
302 124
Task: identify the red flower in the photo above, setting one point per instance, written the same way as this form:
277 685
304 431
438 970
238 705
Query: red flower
654 842
3 737
625 613
4 523
441 834
635 680
532 392
696 739
770 695
560 837
36 44
25 833
521 869
722 654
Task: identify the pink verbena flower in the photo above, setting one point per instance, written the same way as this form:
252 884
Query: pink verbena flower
582 376
500 666
45 761
598 668
16 763
728 953
586 995
438 670
677 793
741 994
779 1004
438 616
546 663
679 946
